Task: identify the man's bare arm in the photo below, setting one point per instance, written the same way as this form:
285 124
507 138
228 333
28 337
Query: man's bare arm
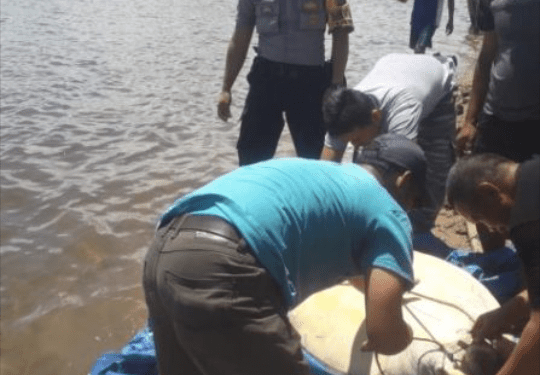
340 55
525 359
386 330
331 154
236 55
467 131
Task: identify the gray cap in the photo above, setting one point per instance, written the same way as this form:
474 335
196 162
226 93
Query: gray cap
392 150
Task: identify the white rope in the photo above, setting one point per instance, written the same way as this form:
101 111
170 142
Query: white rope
441 348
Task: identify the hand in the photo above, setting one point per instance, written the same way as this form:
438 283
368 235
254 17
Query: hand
449 27
331 89
398 341
224 105
490 325
465 137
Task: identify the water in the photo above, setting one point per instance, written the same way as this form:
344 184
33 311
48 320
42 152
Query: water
107 115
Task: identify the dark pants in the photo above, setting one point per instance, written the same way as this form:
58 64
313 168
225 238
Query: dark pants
435 135
214 309
276 89
515 140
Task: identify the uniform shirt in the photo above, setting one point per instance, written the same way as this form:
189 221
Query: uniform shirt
290 32
310 223
514 90
525 225
406 88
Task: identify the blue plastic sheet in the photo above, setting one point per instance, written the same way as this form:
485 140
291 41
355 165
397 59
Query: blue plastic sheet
499 270
138 357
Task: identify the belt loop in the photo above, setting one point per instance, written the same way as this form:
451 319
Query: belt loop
242 246
175 226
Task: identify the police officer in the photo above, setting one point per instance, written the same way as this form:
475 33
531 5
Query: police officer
288 75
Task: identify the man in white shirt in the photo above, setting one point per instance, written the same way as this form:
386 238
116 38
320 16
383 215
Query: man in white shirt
406 94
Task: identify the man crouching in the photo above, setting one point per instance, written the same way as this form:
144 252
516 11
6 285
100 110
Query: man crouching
505 196
232 258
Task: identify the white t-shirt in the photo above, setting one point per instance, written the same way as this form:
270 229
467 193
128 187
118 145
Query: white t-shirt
407 88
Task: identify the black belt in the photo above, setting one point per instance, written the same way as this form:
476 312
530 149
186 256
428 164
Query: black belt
209 224
269 67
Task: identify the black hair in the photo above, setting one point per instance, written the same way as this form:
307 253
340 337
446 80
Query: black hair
469 172
345 109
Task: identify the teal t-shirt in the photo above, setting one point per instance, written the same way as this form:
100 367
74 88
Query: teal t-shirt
310 223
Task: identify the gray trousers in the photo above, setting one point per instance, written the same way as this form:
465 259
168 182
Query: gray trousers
435 136
214 310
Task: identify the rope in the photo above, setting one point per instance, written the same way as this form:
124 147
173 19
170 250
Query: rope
444 303
441 348
422 325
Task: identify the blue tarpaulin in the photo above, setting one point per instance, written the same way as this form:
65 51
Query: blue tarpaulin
499 270
138 357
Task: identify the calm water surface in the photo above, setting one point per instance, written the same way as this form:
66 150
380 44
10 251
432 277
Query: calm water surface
107 115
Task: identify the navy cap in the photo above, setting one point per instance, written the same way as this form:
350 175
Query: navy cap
393 150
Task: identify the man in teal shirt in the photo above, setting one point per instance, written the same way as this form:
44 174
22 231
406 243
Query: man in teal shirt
231 258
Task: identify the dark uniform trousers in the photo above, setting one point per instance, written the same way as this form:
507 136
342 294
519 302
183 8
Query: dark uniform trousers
276 89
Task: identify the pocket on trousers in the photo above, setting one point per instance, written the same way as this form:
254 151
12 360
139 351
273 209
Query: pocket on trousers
197 303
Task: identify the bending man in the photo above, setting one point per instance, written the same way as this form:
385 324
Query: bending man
504 196
231 258
504 107
404 94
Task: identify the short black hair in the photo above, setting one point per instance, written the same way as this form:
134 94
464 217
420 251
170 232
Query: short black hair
469 172
345 109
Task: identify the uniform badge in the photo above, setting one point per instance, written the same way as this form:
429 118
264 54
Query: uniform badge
310 6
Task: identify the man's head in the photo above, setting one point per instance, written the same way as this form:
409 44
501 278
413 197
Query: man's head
400 165
351 116
482 189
